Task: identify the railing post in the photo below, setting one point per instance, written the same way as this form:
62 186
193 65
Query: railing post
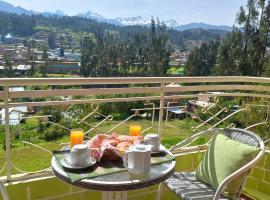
7 131
161 110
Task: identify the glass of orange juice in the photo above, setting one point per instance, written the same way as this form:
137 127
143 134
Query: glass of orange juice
135 130
76 136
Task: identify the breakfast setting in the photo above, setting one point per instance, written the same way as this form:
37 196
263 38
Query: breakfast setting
105 154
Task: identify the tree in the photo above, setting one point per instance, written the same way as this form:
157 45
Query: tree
254 21
106 54
158 49
62 50
7 67
202 60
45 57
243 51
51 41
31 57
88 60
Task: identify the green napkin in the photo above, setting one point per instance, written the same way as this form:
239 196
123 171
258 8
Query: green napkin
105 167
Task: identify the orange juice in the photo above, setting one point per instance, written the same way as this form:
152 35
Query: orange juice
76 137
135 130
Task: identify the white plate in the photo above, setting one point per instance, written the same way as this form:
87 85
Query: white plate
65 162
161 150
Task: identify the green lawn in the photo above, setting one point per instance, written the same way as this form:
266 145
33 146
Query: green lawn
31 159
176 71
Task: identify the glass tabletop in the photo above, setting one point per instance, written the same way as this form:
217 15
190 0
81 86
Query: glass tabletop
120 181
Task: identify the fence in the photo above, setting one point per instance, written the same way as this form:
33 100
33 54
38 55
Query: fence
149 89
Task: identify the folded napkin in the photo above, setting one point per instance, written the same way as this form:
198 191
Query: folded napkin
105 167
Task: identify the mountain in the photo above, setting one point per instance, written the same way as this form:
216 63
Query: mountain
129 21
202 26
56 13
97 17
139 20
91 15
171 23
7 7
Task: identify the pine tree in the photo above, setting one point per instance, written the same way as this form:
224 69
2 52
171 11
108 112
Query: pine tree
44 67
51 41
7 67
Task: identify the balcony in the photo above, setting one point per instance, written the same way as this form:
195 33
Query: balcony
173 107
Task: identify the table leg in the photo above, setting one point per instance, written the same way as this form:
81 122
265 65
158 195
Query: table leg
118 195
104 195
160 188
124 195
110 195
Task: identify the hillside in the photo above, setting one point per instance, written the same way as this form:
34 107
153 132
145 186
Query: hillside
120 21
25 25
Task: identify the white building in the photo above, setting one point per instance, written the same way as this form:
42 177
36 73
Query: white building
15 113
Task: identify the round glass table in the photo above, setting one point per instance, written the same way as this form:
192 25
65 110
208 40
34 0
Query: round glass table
117 184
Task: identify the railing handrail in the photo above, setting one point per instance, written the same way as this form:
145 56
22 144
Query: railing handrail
153 88
128 80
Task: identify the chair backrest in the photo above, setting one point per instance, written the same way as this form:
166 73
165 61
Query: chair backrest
246 137
3 191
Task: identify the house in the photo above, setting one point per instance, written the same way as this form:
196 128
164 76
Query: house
8 39
15 113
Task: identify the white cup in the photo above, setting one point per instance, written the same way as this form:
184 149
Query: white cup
153 140
80 155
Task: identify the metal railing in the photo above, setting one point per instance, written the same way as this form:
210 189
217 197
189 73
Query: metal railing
149 89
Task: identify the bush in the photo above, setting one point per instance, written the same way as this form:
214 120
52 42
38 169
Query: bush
53 132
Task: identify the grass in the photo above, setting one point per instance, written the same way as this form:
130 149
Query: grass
176 71
28 158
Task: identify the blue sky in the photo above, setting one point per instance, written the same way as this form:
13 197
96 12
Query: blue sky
183 11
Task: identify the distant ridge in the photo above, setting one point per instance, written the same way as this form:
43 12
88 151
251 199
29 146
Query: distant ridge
7 7
203 26
130 21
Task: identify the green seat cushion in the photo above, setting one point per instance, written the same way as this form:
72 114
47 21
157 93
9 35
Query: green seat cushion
223 157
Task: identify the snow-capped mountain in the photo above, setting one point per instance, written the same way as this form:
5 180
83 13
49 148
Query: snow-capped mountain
139 20
56 13
91 15
97 17
129 21
171 23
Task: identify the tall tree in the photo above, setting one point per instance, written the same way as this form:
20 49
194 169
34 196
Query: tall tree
45 58
202 60
159 49
229 52
7 67
255 20
51 41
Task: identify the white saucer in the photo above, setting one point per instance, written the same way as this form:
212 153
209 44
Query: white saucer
161 150
65 162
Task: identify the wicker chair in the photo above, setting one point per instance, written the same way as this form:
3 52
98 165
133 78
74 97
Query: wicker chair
3 191
185 185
